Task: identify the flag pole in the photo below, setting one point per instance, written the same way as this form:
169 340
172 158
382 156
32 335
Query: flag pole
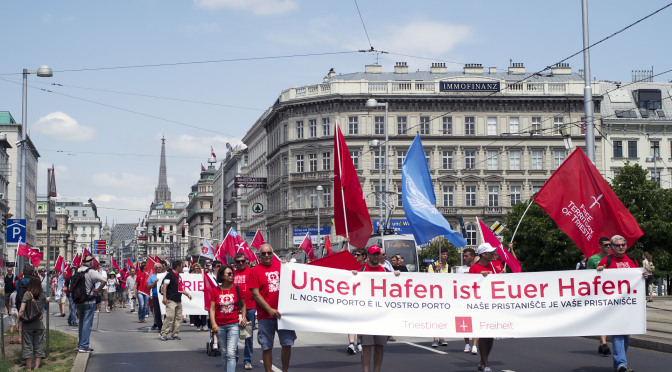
521 220
340 175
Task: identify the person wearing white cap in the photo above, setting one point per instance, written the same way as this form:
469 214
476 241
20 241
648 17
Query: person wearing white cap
484 267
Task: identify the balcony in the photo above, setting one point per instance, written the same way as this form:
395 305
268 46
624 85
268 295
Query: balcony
493 210
196 211
307 176
448 210
312 212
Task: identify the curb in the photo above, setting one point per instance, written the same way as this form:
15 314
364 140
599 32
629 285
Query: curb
81 361
642 344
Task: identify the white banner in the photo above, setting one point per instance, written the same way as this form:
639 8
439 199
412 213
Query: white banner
193 283
543 304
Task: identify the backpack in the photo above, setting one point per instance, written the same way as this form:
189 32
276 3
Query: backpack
32 311
20 291
611 256
78 288
650 267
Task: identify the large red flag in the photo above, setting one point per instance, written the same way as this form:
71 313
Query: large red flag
59 266
208 286
234 243
258 240
130 264
584 206
504 254
149 271
351 216
86 252
77 261
34 255
343 260
327 245
114 263
307 246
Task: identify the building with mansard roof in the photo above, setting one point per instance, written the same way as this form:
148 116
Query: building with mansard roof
491 138
199 211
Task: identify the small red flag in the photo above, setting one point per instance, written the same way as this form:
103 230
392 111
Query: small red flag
86 253
208 286
202 168
191 260
351 216
584 206
130 264
67 274
258 240
307 246
213 155
114 263
77 261
34 255
343 260
504 254
234 243
59 265
149 271
327 245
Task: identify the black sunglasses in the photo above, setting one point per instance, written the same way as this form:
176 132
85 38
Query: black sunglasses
240 261
358 254
266 253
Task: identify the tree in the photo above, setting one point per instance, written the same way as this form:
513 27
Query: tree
432 251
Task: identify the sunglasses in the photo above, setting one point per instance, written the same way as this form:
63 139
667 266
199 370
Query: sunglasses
619 245
229 274
241 261
266 253
358 254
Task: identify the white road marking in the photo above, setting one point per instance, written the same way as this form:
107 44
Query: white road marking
425 347
275 369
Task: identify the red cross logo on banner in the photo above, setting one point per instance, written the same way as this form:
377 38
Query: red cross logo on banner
204 250
463 324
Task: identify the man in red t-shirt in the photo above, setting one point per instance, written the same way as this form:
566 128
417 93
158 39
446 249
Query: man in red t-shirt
241 279
378 342
264 282
620 260
484 267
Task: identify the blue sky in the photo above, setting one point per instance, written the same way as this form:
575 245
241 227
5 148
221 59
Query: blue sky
72 35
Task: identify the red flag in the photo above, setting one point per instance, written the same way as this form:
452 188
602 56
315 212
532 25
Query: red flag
114 263
351 215
129 263
234 243
504 254
343 260
157 258
59 265
208 286
95 263
202 168
149 271
583 205
307 246
86 252
327 245
258 240
66 273
191 260
77 261
214 156
34 255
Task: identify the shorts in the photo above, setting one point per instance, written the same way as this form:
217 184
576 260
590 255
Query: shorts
373 340
266 334
649 280
64 299
112 296
104 295
13 317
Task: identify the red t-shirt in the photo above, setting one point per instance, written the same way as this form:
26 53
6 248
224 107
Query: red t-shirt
380 268
477 268
498 266
241 278
619 263
226 305
267 279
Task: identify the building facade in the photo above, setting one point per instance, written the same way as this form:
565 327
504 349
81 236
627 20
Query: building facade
199 210
5 174
61 238
227 204
254 204
86 224
491 140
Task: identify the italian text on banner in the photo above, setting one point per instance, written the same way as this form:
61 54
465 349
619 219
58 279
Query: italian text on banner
543 304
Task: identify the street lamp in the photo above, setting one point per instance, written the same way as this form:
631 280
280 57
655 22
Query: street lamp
43 71
653 159
371 103
317 190
377 143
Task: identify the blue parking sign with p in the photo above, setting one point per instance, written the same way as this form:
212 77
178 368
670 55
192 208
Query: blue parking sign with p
16 230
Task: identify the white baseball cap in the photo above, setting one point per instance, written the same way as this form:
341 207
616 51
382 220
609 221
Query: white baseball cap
485 248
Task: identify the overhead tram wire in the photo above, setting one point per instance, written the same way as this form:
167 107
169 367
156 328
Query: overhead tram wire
363 25
68 152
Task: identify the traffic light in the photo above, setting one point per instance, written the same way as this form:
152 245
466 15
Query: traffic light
183 232
160 232
4 221
154 232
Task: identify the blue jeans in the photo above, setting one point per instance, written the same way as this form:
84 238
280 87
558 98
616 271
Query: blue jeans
620 344
72 318
143 306
227 338
251 316
85 323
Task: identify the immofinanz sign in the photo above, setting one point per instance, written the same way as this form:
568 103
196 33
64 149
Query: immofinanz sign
469 86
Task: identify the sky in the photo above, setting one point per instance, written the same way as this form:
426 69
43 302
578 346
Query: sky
102 126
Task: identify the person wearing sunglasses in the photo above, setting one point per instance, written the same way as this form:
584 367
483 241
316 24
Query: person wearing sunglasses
265 286
242 276
591 264
620 259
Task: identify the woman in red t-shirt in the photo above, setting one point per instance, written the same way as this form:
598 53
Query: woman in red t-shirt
224 308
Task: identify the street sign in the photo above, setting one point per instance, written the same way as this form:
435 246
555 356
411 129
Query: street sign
16 229
497 227
241 185
142 238
250 234
251 179
257 208
428 260
52 213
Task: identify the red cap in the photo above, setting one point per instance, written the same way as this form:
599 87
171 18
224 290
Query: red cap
374 249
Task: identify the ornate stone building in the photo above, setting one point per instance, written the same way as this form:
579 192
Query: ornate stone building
61 238
199 210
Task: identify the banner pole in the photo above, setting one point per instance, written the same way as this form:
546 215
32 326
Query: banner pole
340 175
521 220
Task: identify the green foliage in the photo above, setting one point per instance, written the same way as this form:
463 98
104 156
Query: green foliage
432 251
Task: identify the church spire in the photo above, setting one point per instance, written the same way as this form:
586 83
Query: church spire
162 193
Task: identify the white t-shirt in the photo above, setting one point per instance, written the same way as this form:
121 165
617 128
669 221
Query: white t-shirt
12 298
463 269
646 263
112 286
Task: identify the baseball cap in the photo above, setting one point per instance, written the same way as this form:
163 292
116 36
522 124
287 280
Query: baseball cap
374 249
485 248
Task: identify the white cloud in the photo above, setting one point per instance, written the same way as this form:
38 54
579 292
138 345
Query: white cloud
424 37
187 144
258 7
60 126
47 18
62 172
202 28
124 181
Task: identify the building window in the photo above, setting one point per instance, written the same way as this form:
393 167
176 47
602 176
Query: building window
469 129
558 158
284 131
201 219
84 213
312 198
286 233
326 161
299 129
299 163
493 161
535 189
299 198
355 158
447 125
536 125
285 201
515 194
55 225
632 149
353 127
447 160
401 155
471 234
493 196
201 232
469 159
377 196
537 159
399 198
401 125
492 126
514 125
53 254
428 155
313 127
470 196
424 125
379 125
74 213
378 160
557 125
325 127
514 160
448 196
326 197
38 225
285 166
618 149
312 162
655 149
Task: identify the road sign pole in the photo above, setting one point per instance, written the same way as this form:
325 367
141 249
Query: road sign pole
46 352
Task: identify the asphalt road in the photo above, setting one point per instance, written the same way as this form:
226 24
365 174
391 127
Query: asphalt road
122 344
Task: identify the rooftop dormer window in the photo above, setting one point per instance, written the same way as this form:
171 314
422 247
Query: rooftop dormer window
648 99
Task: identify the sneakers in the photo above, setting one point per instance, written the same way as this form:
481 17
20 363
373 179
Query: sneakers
474 350
622 368
467 348
487 369
176 338
97 311
480 368
163 338
443 342
248 366
391 339
154 327
352 349
435 343
202 328
89 350
605 350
